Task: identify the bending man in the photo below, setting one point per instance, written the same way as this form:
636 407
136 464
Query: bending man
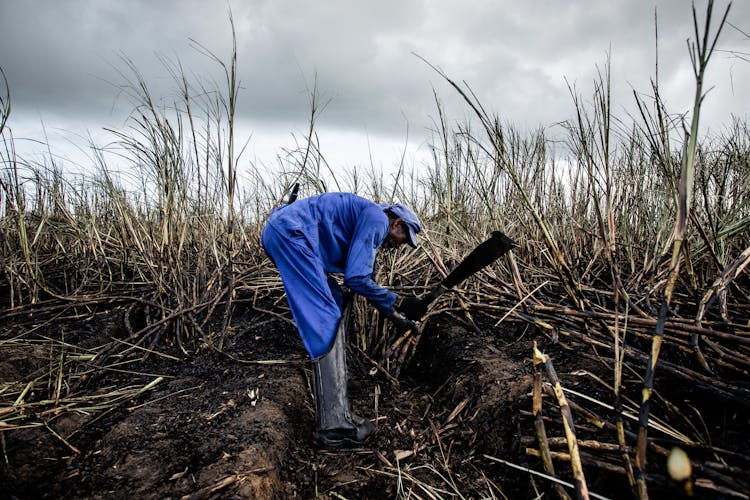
337 233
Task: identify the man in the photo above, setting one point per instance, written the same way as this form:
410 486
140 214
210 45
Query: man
337 233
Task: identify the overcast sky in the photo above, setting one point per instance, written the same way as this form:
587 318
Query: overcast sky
59 56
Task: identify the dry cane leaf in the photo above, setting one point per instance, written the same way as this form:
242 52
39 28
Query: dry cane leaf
178 475
457 409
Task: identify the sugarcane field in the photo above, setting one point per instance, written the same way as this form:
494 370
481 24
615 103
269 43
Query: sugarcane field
521 318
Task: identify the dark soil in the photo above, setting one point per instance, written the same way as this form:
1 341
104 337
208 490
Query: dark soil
239 424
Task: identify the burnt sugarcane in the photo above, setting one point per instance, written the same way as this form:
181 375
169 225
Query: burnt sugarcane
544 451
701 50
579 480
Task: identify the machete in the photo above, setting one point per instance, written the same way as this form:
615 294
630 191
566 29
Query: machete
482 256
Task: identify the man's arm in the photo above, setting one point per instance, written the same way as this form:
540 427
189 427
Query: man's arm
369 234
380 297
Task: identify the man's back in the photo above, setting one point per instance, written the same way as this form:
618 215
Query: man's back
343 229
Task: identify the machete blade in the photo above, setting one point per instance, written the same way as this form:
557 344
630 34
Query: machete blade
483 255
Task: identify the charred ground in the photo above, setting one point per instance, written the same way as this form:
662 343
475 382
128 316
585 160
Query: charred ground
239 423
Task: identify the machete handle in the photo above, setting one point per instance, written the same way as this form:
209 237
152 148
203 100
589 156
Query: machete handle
293 195
433 294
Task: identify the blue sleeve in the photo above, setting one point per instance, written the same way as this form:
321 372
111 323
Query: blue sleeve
371 230
380 297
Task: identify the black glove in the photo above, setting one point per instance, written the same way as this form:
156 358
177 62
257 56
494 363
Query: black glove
412 307
404 325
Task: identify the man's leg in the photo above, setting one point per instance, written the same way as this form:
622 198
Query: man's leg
335 424
315 301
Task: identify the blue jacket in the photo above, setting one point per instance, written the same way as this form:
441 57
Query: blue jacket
314 237
347 231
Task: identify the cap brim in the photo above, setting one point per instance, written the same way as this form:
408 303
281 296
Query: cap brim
411 239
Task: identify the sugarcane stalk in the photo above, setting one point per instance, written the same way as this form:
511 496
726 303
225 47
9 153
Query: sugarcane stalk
714 386
700 52
737 357
673 326
718 289
541 433
728 275
599 464
588 415
619 352
579 479
232 87
582 443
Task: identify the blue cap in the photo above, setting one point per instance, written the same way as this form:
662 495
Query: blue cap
410 219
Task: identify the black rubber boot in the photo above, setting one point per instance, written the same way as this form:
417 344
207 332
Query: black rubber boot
335 425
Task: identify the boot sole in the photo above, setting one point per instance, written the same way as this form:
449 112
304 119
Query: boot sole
323 442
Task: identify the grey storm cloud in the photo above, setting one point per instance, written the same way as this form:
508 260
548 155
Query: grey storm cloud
62 57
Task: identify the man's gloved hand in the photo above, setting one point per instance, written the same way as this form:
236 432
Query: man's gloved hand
404 325
411 307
